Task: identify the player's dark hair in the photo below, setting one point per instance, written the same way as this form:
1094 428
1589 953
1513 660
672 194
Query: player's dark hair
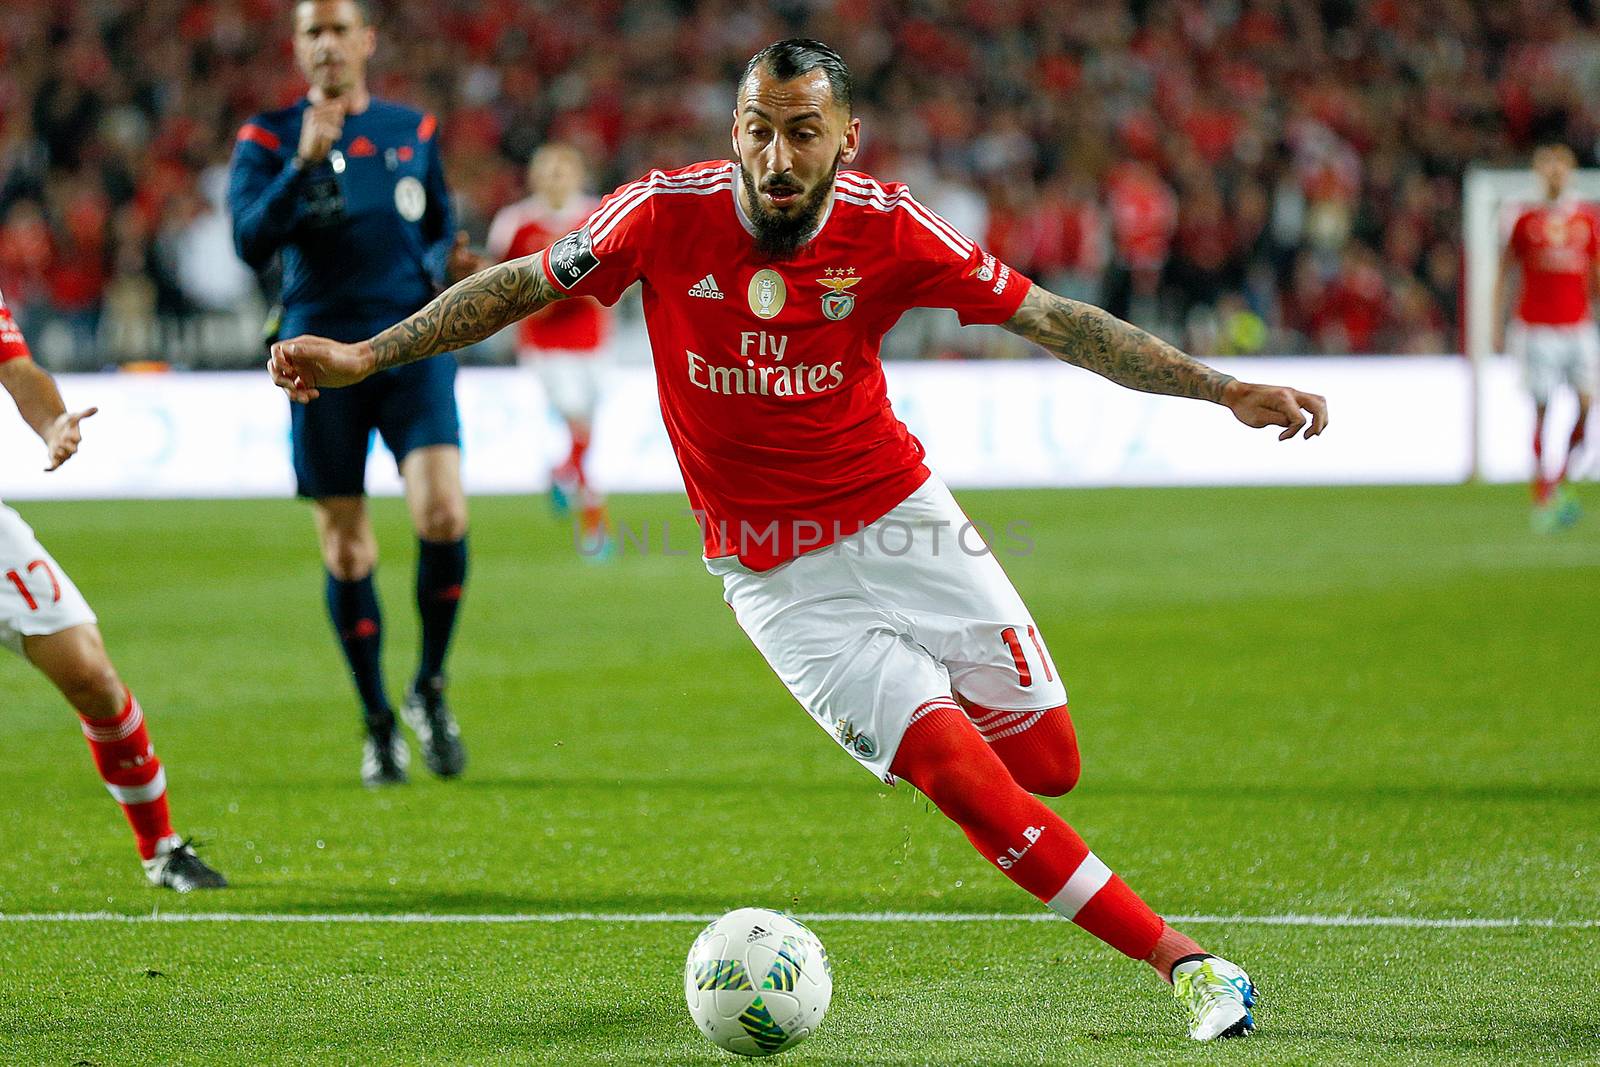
801 55
363 6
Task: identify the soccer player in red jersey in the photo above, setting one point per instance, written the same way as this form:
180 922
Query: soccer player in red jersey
44 619
1556 248
846 561
565 342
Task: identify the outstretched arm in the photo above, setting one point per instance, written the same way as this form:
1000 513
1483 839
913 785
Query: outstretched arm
469 311
1089 337
39 403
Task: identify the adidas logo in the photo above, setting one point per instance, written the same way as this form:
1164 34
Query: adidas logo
706 287
756 932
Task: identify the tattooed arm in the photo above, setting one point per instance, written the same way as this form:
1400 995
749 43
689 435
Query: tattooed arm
1088 337
469 311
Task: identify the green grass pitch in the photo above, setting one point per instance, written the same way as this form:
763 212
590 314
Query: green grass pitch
1365 702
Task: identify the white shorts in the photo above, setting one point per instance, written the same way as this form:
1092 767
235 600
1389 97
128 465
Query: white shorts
882 627
1556 355
571 380
36 596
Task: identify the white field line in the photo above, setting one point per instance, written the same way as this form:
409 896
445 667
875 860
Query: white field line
445 919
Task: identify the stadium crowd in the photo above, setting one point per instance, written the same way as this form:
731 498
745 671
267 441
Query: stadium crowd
1239 175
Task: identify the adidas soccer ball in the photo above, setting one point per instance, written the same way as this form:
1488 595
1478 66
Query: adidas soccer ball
757 982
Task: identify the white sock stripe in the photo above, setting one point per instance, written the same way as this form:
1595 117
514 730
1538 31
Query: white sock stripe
990 714
119 731
929 708
1010 718
1090 877
140 794
1014 730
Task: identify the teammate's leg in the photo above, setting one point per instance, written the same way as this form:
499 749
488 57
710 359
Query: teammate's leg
350 556
438 507
1576 438
943 755
76 662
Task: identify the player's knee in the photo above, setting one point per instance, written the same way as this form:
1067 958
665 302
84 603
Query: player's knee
349 558
1053 774
93 687
442 520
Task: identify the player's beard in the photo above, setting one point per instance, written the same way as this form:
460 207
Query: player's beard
780 235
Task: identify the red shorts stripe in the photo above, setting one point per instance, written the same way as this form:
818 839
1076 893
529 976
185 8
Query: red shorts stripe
426 127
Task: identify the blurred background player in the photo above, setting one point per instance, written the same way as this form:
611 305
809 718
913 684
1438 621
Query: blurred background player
350 191
564 342
44 619
1555 247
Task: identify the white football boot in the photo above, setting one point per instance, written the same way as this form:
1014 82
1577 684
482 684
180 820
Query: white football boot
1219 996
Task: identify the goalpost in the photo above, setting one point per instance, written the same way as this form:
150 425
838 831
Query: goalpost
1491 201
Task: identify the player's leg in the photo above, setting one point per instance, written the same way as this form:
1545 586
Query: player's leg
1039 749
350 558
75 661
331 436
1583 375
943 755
1538 350
571 382
849 658
945 581
419 423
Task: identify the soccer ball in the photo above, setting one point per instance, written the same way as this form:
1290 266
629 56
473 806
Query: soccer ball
757 982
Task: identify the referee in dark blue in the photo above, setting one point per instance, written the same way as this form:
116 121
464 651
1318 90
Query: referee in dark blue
350 192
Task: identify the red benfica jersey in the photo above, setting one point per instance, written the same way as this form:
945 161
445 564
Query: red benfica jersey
523 228
1556 246
12 346
767 370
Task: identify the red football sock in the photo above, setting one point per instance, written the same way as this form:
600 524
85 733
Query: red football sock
580 448
1039 748
1540 487
127 763
1574 442
943 755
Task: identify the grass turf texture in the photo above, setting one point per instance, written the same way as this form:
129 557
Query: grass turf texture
1373 701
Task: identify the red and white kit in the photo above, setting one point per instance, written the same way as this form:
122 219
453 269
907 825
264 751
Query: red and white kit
565 341
1553 335
36 596
837 548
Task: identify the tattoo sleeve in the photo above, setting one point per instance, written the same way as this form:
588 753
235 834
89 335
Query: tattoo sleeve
470 310
1088 337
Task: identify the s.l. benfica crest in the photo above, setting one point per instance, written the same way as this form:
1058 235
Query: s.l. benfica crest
836 302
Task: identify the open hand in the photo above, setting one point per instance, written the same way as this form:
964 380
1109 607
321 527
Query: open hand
303 366
1277 405
63 436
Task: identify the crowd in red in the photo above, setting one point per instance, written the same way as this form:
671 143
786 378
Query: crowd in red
1242 175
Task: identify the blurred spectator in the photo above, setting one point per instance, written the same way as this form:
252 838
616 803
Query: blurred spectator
1212 170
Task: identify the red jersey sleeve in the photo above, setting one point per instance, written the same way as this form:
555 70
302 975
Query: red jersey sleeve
947 269
603 257
12 346
1519 237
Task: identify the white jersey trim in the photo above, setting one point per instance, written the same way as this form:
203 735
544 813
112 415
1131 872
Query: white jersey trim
879 197
629 197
